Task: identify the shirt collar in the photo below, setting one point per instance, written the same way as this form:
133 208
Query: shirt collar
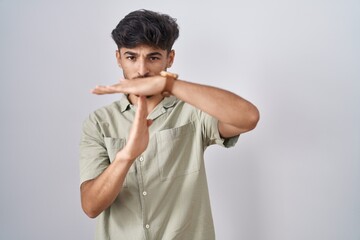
124 103
161 108
168 102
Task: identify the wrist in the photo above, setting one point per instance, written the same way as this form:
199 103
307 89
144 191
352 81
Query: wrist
170 79
125 156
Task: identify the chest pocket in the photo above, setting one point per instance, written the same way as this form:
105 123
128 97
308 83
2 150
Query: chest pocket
176 152
113 146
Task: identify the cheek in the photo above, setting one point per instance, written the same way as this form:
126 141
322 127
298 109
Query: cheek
160 66
127 72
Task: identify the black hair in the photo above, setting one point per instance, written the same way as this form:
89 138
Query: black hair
146 27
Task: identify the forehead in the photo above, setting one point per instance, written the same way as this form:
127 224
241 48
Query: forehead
142 50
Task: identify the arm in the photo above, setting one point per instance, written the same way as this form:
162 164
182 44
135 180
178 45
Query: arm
235 114
99 193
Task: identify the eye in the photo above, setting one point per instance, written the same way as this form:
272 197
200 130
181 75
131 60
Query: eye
154 58
131 58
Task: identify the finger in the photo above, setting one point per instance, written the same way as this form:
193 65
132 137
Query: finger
140 119
100 90
141 108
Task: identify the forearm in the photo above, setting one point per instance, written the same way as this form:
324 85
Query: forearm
225 106
99 193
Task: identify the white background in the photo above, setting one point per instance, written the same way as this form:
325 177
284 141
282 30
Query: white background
295 177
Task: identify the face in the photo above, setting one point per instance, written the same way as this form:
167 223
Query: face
143 61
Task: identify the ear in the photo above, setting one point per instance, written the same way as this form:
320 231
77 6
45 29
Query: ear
171 57
118 58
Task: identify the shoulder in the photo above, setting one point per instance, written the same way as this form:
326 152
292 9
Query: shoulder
108 109
103 113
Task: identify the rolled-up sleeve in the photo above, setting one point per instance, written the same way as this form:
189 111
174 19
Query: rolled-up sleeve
211 132
94 158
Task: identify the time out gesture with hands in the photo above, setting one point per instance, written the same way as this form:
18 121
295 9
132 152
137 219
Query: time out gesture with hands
235 114
141 88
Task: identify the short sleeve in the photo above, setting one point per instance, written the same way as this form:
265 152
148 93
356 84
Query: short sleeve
94 158
211 133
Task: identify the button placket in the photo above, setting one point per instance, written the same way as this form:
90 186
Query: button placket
143 192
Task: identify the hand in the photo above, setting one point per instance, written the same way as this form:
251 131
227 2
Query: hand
141 86
139 133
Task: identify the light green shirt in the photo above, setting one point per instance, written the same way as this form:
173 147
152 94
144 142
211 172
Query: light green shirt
165 193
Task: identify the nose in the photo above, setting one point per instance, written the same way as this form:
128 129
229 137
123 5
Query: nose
143 69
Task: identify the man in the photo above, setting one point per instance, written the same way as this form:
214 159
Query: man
141 164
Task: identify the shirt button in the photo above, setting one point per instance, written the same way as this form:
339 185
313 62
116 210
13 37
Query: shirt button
147 226
141 159
144 193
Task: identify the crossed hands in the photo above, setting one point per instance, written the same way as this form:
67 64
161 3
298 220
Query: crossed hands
139 133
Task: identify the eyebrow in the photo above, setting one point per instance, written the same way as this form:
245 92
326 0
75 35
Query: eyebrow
148 55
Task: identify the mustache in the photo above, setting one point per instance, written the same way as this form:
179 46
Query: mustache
142 75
